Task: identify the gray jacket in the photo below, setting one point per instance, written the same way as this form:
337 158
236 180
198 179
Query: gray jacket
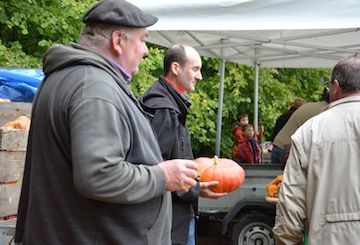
320 191
89 175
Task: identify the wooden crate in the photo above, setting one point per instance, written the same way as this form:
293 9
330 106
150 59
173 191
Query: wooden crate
11 166
11 139
9 199
11 174
13 143
9 111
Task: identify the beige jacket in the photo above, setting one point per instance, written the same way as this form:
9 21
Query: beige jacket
301 115
321 186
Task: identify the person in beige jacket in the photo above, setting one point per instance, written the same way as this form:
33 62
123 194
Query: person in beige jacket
282 139
320 194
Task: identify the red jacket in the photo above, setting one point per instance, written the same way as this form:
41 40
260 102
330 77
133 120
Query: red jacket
237 133
243 151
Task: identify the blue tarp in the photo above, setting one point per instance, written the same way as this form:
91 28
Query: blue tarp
19 84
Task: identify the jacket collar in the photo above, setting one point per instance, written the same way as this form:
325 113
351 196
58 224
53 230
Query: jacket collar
348 99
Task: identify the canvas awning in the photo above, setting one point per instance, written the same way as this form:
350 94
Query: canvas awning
259 33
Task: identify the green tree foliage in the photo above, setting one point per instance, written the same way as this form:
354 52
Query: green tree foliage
29 27
277 89
150 69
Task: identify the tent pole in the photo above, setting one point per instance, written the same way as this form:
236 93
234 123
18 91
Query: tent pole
219 118
256 96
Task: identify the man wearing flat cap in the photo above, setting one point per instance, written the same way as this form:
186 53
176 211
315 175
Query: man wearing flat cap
94 173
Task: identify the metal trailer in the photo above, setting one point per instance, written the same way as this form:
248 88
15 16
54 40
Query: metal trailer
244 214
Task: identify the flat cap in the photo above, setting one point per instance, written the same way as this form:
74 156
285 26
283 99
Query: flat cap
120 13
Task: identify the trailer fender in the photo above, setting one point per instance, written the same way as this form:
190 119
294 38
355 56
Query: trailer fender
254 202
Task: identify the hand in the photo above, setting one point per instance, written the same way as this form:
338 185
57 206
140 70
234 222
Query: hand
180 174
206 192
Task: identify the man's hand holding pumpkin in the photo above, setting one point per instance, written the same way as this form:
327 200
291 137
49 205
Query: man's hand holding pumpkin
180 174
206 192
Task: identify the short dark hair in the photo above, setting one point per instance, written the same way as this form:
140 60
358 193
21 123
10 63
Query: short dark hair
241 115
247 126
347 72
174 54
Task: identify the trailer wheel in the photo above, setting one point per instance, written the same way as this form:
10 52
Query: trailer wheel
253 229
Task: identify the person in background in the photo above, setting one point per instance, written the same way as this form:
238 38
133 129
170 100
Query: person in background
236 131
249 150
319 194
281 143
281 121
167 104
94 173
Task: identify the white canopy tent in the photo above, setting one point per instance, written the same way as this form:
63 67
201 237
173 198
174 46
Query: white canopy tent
259 33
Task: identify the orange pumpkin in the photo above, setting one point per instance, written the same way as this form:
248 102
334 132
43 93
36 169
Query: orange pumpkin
228 173
22 122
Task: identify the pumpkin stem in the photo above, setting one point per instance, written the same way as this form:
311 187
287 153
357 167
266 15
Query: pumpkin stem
216 160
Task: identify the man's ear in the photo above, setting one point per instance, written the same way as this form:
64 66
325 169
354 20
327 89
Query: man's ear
117 41
175 68
336 87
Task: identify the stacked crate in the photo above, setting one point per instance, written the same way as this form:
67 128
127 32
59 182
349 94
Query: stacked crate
13 144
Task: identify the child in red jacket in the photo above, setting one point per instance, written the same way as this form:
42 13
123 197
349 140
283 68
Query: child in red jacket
236 131
248 149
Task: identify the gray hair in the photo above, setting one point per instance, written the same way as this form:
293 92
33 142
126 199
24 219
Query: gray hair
97 36
347 72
